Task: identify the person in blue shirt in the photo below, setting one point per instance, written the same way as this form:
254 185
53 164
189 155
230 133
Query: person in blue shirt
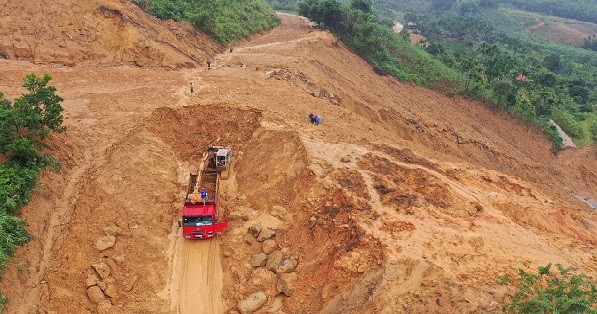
204 195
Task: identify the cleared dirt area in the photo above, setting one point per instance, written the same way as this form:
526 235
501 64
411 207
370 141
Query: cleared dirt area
403 200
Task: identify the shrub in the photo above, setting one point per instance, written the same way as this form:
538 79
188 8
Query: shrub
550 292
223 20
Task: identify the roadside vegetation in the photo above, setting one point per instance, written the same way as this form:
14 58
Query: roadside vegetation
223 20
284 5
550 292
24 124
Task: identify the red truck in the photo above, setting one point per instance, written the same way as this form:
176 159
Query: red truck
200 210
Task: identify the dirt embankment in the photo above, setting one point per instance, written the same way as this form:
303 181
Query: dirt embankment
403 200
99 32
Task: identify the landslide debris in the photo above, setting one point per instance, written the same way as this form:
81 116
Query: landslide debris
102 32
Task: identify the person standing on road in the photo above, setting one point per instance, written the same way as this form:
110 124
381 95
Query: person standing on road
192 87
209 65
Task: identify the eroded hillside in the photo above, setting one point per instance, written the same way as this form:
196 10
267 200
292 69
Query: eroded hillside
99 32
403 200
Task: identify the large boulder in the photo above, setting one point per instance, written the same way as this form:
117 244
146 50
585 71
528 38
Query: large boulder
253 303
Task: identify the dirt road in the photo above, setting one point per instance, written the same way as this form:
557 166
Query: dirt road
196 285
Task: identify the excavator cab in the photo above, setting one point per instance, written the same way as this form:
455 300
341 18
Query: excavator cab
223 156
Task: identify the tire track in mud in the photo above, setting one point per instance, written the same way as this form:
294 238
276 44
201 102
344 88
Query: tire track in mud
58 220
197 277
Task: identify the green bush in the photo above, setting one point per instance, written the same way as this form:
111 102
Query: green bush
3 301
223 20
550 292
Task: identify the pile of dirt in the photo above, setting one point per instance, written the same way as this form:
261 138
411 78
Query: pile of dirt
402 200
102 32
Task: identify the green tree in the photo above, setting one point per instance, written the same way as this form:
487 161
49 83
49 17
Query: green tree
363 5
441 5
550 292
553 62
330 13
31 118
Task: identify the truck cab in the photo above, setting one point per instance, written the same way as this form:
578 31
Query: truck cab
200 221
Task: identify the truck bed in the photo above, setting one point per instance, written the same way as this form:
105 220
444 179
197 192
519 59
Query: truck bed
208 181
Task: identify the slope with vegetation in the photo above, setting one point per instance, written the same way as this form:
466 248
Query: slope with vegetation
223 20
389 53
536 80
24 124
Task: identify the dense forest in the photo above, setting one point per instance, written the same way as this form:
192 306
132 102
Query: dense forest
489 59
581 10
223 20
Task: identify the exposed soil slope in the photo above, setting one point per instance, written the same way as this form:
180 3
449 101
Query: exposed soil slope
403 200
98 32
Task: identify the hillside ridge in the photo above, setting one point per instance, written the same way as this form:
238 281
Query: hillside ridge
99 32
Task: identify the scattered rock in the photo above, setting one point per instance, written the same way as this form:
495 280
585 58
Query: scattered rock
280 213
345 160
112 231
112 265
258 260
249 238
102 270
129 282
119 259
91 280
269 74
269 246
111 291
105 243
255 230
95 294
287 265
286 284
277 262
227 253
265 234
105 307
253 303
273 260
